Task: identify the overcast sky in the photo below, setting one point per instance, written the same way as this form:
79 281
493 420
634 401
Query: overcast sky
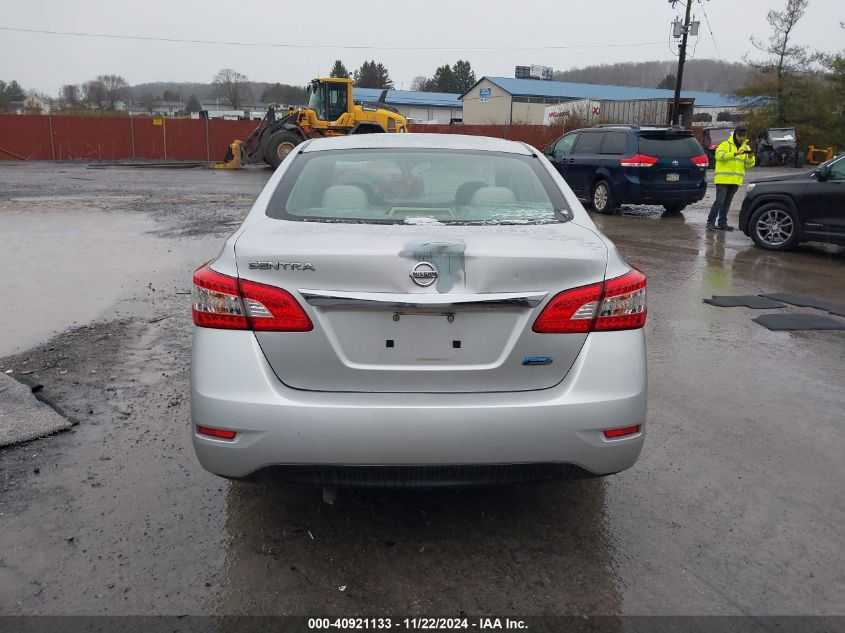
438 31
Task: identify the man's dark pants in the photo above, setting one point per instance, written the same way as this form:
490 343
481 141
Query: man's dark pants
722 204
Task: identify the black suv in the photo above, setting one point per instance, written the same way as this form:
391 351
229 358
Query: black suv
609 165
780 212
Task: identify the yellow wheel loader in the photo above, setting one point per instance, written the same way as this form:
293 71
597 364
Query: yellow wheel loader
331 111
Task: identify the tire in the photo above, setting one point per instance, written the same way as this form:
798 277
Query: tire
601 199
774 227
280 145
674 208
800 159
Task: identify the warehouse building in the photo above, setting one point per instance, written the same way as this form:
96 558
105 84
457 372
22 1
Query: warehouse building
419 107
506 100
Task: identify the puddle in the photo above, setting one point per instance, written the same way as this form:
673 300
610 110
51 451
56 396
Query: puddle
66 261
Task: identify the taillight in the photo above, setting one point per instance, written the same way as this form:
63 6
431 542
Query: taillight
701 161
272 309
638 160
220 301
616 304
623 306
570 311
216 301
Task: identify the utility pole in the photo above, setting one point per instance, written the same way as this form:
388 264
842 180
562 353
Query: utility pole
682 57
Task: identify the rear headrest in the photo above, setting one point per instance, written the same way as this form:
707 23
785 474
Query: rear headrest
492 195
345 197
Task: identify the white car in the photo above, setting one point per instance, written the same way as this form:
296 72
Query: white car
417 309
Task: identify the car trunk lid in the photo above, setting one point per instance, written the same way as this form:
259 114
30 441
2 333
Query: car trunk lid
378 329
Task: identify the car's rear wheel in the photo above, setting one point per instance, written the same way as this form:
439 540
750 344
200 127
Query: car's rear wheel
674 208
774 226
602 199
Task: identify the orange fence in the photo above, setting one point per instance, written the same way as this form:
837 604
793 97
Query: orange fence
35 137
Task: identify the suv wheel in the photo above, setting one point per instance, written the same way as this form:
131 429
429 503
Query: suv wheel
602 199
774 226
674 208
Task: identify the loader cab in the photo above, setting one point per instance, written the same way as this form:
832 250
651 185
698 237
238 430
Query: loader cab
330 98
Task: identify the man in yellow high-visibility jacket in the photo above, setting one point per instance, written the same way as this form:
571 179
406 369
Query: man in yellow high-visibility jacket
732 157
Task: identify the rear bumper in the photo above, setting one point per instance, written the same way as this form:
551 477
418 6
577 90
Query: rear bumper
633 191
233 387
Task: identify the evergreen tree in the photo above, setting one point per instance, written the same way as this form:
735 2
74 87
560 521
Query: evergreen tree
668 82
373 75
339 70
464 76
444 79
193 104
9 92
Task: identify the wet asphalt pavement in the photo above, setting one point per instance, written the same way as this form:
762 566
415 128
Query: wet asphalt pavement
735 507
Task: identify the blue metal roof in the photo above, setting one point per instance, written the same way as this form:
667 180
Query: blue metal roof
599 92
410 97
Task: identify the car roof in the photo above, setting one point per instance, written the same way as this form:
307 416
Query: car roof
615 127
418 141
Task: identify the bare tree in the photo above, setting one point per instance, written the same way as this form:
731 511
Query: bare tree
70 95
114 87
94 93
784 57
420 83
231 86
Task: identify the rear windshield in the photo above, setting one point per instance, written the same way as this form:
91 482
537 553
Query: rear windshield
418 187
670 146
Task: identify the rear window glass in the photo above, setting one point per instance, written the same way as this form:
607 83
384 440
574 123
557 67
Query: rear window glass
663 146
418 187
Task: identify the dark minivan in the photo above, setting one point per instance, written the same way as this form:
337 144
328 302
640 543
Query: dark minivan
609 165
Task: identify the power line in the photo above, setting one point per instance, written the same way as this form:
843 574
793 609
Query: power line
709 28
334 46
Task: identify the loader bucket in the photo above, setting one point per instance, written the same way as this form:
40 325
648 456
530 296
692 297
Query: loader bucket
234 157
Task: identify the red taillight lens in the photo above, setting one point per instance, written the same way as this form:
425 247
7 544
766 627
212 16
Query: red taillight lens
216 301
616 304
273 309
220 301
638 160
223 434
701 161
628 430
624 304
570 311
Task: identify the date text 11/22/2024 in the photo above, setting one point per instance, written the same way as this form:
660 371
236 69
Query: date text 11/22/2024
419 623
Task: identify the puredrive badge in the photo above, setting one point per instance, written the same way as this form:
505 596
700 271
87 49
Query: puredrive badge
424 274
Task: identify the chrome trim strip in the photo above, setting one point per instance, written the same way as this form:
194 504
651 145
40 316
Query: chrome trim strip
387 300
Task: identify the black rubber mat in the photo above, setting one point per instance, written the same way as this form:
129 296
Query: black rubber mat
746 301
807 302
789 322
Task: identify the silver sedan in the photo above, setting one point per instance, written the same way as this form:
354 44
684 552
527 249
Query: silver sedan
417 310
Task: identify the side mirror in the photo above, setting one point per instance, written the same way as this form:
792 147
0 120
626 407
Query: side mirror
547 150
822 173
